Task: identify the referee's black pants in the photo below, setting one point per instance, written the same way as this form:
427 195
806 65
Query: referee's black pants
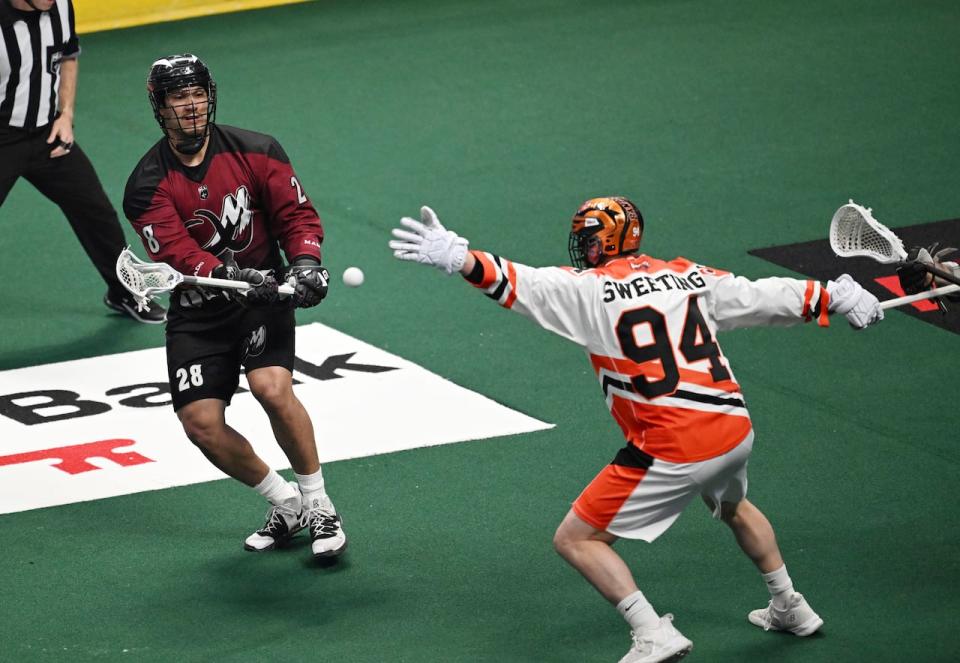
71 182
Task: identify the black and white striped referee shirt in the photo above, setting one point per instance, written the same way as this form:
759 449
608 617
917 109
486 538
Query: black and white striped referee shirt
32 44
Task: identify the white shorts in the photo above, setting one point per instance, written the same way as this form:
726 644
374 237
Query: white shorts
634 501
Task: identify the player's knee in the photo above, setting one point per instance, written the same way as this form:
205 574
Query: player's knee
740 515
566 539
203 428
561 542
272 394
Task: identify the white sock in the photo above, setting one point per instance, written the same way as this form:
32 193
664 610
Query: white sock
638 612
314 493
779 585
275 488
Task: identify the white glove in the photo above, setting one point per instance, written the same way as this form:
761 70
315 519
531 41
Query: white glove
847 297
428 242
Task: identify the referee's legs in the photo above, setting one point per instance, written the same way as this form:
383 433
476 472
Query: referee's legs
71 182
6 183
13 156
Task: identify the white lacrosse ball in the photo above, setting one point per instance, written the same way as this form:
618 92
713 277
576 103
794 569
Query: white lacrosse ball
353 277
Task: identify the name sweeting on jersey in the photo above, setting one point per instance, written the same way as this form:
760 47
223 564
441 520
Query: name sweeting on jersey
645 285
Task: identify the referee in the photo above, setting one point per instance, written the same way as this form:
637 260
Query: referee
38 87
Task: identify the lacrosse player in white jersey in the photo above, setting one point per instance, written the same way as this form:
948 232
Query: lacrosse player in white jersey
649 328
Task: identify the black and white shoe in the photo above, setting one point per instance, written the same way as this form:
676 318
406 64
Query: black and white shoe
326 531
153 314
283 522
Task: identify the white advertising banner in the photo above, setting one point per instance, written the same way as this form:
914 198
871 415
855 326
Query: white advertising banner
99 427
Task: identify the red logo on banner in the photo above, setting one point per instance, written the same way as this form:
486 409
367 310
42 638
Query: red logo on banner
73 459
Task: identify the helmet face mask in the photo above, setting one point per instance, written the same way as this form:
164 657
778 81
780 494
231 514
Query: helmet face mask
604 228
183 95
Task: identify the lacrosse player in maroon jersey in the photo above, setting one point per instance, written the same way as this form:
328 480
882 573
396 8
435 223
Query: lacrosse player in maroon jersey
214 200
649 328
915 278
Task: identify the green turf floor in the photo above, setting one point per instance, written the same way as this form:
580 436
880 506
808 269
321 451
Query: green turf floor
734 126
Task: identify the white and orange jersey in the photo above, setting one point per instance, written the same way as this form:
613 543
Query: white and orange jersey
650 330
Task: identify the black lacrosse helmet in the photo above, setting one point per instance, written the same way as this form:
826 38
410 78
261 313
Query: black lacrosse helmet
176 72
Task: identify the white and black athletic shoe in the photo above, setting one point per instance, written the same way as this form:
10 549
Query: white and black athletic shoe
326 531
153 314
283 522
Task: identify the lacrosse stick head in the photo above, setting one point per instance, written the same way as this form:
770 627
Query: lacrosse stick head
145 280
854 232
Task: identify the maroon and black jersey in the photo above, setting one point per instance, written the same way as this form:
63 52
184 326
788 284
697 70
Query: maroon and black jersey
244 197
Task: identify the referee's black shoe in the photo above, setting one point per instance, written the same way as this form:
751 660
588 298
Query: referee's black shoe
153 314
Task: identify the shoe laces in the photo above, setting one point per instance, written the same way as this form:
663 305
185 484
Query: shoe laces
768 616
642 640
276 520
646 640
323 523
770 612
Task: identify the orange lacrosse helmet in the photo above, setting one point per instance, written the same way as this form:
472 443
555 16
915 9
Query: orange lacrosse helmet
604 228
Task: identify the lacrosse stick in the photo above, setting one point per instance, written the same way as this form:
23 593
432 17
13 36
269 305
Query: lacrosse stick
928 294
854 232
146 280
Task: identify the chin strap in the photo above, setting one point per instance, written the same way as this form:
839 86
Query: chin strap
190 146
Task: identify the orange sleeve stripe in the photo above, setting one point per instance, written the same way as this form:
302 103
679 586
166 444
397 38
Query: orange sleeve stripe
512 278
489 269
824 319
807 298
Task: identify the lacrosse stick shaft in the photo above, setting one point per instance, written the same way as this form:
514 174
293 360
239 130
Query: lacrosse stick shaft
946 276
909 299
284 289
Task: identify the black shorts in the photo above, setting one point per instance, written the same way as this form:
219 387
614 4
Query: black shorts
206 363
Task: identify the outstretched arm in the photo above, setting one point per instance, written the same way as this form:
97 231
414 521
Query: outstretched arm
427 242
848 298
740 302
553 298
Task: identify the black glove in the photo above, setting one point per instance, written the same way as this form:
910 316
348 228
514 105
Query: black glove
263 290
310 280
912 275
